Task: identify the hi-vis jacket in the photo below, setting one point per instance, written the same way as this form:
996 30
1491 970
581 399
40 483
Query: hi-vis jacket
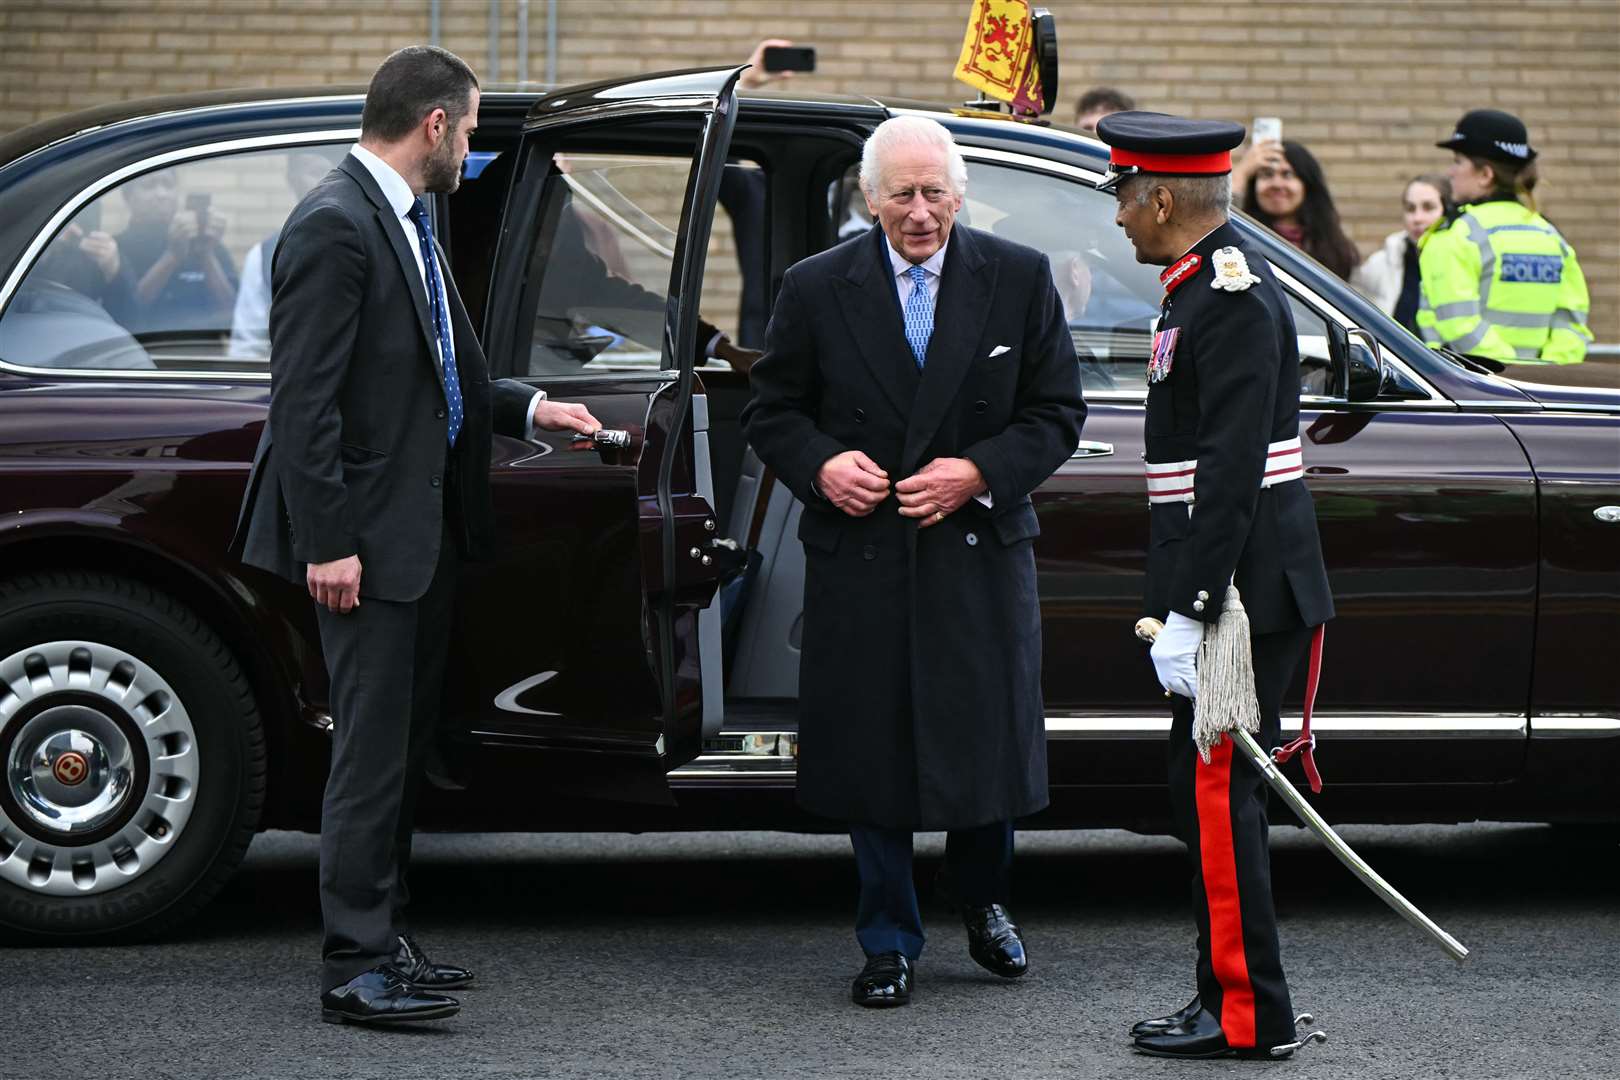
1500 282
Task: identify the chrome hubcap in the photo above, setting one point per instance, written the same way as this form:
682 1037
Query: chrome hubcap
100 768
71 769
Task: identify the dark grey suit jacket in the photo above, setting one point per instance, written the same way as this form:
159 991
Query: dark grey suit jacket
353 459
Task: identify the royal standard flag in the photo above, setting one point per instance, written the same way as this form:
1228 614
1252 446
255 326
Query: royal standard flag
996 53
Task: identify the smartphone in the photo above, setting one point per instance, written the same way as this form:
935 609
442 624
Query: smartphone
197 203
1266 129
790 58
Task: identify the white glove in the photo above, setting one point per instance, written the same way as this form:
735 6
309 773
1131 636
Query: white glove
1175 654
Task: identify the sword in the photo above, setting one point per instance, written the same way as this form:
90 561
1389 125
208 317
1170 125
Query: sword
1147 630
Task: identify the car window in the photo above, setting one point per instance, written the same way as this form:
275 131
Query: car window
600 268
1315 357
1110 299
735 274
168 270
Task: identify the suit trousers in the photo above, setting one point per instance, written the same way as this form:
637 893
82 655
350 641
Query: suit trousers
386 663
978 862
1220 813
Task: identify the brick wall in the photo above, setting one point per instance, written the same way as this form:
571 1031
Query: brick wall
1368 85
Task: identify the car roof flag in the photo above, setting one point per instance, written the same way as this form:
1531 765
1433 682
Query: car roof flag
998 55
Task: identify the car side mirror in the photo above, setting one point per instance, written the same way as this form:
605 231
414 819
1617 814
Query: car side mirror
1366 371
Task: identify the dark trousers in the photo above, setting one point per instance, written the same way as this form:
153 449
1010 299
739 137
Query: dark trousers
978 861
1220 812
386 663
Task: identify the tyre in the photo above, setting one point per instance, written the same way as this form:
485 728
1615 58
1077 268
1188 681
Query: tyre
133 758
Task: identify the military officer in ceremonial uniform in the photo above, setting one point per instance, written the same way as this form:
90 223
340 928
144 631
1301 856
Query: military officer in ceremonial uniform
1227 504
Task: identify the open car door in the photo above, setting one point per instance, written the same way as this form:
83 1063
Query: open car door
582 641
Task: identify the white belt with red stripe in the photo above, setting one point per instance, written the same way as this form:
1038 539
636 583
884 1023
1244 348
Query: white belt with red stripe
1172 481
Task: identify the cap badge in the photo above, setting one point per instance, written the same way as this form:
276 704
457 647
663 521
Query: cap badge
1231 271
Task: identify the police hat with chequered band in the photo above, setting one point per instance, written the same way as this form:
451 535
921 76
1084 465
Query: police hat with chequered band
1490 133
1149 142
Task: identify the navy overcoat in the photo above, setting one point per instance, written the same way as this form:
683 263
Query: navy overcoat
920 676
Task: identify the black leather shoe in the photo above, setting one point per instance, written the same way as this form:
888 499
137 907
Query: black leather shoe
885 981
994 942
383 995
423 973
1200 1036
1163 1023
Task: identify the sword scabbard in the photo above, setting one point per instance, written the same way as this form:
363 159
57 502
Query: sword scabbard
1341 850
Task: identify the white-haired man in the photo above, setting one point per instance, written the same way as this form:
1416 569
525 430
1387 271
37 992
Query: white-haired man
918 383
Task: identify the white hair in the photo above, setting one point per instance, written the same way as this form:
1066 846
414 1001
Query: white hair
911 131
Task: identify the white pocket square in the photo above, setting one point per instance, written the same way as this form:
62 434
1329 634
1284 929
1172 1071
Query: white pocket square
999 349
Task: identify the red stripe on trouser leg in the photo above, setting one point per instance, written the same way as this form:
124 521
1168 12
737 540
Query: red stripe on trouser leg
1214 785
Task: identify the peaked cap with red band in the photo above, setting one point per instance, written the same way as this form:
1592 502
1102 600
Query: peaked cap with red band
1149 142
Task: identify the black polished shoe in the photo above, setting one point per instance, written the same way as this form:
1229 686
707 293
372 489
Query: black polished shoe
885 981
423 973
383 995
1200 1036
994 942
1164 1023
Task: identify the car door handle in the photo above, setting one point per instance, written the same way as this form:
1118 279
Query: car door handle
606 439
1092 450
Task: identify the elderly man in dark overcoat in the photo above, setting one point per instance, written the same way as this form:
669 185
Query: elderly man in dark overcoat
918 384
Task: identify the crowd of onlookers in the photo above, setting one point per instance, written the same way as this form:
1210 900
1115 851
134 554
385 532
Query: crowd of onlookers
168 270
1281 184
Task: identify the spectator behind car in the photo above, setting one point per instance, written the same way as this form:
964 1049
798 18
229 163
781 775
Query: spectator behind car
1390 276
1284 189
85 259
184 277
1097 103
250 318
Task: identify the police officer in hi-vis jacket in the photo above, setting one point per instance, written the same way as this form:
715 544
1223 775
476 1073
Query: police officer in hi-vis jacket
1498 280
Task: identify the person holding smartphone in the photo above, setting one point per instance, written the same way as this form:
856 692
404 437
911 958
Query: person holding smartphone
1283 187
184 277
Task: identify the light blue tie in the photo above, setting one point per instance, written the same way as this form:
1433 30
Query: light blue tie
441 318
919 314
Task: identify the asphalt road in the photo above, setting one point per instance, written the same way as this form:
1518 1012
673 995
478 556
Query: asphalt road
729 955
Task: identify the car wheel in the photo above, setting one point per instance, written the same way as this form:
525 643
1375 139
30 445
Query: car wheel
133 758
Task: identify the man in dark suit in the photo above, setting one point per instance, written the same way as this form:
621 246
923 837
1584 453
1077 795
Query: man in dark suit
937 356
370 485
1228 504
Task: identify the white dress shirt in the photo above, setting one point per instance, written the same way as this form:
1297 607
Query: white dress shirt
932 267
400 199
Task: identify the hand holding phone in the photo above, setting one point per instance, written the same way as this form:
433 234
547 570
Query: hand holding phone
789 58
1266 129
197 203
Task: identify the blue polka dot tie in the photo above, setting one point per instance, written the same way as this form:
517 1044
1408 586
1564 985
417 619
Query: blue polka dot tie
919 314
441 318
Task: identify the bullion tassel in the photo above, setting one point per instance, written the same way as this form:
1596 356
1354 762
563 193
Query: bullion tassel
1226 697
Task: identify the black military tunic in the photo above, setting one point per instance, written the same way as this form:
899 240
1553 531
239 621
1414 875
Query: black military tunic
1229 500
